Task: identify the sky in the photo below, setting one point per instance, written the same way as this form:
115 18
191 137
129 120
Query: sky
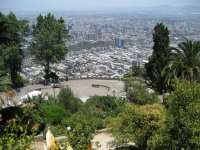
88 4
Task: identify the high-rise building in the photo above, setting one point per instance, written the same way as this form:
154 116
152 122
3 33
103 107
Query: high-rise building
91 36
99 35
120 42
123 42
117 42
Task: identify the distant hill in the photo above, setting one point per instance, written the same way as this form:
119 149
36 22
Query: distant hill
154 10
167 9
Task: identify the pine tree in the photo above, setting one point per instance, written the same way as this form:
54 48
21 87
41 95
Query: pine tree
49 38
12 31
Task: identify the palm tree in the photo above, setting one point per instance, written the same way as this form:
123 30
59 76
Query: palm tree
185 61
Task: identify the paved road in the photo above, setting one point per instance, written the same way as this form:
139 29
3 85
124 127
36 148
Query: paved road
81 88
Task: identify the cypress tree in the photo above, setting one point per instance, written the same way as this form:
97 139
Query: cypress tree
159 58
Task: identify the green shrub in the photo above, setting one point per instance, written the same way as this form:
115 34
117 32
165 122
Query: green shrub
5 82
34 108
18 125
31 116
184 114
81 130
97 123
138 71
15 136
19 80
138 124
183 119
54 114
67 100
102 106
138 93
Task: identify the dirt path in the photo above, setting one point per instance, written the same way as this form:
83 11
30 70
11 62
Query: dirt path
104 140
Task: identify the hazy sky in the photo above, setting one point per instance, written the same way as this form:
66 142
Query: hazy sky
88 4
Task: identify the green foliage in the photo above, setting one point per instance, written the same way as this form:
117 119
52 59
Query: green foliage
35 112
18 126
161 140
12 31
138 93
68 101
97 122
54 114
19 80
12 140
184 122
12 60
81 130
138 71
138 124
185 61
49 38
5 82
89 118
160 58
102 106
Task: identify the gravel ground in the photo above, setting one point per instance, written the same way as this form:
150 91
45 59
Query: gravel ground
81 88
104 139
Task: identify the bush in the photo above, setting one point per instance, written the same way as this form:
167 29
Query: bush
138 71
31 116
97 123
184 114
19 81
81 130
67 100
19 125
183 119
138 93
54 114
138 124
102 106
7 114
15 136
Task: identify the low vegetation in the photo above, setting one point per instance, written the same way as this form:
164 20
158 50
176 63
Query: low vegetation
144 118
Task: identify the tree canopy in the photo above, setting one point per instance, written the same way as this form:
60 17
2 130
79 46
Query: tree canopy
12 31
5 82
160 57
49 40
138 124
185 61
184 116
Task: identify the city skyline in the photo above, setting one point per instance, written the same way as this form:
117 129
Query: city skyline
49 5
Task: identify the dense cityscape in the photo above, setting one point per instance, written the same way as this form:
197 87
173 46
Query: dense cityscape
100 75
127 41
